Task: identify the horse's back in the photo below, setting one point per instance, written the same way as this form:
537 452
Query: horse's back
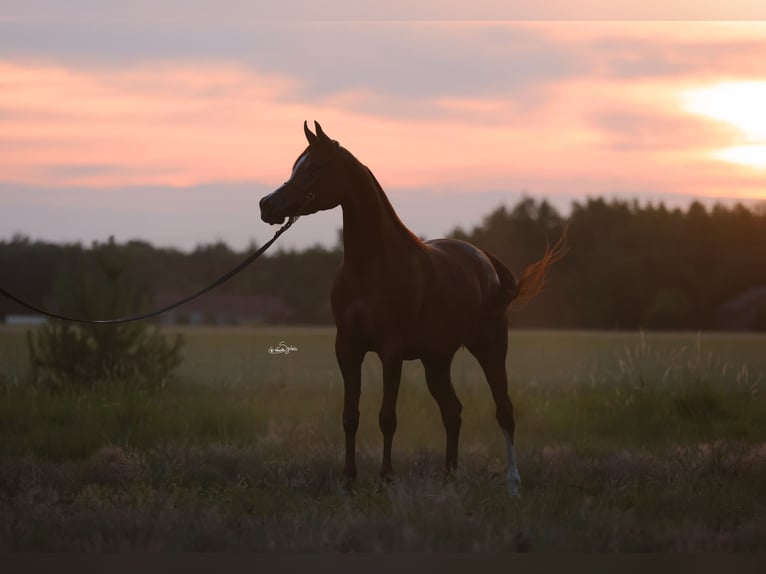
469 276
436 298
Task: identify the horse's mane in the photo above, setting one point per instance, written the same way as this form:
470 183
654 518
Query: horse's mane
383 197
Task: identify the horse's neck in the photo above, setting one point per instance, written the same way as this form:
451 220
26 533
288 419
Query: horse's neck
371 228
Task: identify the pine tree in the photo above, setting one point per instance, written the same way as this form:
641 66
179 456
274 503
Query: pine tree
97 285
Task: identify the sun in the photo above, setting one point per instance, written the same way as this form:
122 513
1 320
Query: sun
752 155
742 105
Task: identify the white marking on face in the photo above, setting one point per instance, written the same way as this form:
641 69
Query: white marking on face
514 479
299 163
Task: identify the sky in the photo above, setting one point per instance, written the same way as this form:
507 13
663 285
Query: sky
167 122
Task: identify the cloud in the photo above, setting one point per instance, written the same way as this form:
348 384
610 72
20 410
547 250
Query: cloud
395 67
628 130
152 124
402 60
185 124
367 10
650 50
83 170
560 109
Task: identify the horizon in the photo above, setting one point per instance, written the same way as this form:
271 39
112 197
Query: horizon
170 129
317 233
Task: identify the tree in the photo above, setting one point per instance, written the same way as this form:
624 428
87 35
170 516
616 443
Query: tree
96 285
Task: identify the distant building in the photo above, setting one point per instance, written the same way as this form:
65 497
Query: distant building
745 312
223 309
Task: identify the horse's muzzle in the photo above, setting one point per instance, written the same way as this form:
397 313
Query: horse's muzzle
270 209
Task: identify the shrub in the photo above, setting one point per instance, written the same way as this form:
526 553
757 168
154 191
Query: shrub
96 286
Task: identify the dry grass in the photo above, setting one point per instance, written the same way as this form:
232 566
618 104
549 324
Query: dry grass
626 444
254 498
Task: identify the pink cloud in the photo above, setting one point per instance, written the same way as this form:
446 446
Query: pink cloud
182 124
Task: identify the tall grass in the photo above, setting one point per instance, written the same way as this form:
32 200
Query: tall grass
626 442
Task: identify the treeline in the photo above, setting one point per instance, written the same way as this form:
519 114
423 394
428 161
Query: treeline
629 266
632 266
43 273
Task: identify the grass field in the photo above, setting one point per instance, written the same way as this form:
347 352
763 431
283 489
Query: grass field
626 442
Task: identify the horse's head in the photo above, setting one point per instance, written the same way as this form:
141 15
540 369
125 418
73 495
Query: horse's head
315 183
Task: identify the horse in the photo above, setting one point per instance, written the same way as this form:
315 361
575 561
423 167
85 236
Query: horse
404 299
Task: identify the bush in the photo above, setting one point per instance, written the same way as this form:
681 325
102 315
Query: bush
97 286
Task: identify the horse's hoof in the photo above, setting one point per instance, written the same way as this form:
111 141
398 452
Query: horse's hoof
387 474
348 486
450 473
387 477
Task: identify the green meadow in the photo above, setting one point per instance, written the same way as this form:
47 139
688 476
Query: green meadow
626 442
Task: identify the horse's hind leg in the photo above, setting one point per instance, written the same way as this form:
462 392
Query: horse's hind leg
490 348
440 385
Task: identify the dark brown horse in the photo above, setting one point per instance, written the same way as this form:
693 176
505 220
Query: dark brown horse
404 298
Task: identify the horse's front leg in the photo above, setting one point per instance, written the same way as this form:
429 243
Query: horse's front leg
391 359
350 362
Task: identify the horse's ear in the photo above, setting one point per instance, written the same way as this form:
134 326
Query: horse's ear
309 136
320 133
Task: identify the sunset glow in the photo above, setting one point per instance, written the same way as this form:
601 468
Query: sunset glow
749 155
741 105
455 110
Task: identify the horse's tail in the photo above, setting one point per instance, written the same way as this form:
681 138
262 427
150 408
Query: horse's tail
532 278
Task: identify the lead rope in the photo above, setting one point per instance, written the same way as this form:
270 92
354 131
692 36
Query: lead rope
222 279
